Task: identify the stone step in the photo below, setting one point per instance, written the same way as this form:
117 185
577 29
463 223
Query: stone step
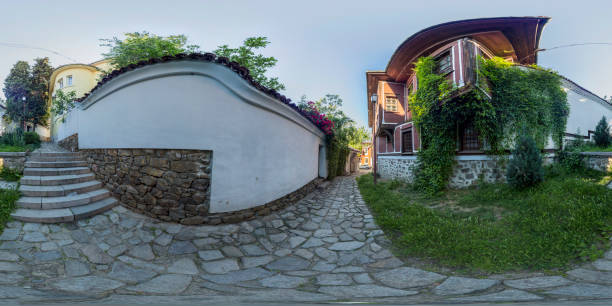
57 179
60 190
54 154
51 158
84 211
46 203
64 214
55 171
56 164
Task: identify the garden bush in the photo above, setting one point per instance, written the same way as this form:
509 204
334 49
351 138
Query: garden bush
602 133
14 138
525 168
570 159
31 138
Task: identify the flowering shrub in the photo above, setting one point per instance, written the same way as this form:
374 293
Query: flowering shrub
320 120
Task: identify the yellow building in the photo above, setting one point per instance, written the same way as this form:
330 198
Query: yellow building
80 78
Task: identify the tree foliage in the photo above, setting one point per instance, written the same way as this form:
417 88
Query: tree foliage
63 102
39 91
257 64
345 132
140 46
602 135
32 85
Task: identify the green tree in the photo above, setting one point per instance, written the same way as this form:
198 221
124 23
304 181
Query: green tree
257 64
16 90
602 133
357 136
39 92
140 46
26 92
63 102
525 167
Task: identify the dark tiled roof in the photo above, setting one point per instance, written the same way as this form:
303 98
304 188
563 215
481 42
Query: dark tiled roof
206 57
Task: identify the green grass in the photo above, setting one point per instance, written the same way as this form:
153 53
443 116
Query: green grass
8 198
493 228
589 147
9 148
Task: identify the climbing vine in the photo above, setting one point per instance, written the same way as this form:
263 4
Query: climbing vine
506 98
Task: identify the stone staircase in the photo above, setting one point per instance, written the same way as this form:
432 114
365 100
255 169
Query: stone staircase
59 187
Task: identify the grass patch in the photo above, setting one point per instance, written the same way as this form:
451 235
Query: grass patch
565 220
591 147
9 148
8 198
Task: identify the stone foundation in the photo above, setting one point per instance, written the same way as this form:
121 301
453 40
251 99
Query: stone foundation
396 167
70 143
13 160
601 161
468 170
172 185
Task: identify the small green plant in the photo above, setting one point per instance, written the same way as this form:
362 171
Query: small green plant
8 198
31 138
9 174
570 159
525 168
602 133
14 138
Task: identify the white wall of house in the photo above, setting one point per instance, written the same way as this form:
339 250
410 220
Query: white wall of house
586 110
262 149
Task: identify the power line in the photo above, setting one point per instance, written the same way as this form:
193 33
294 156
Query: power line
577 44
566 46
24 46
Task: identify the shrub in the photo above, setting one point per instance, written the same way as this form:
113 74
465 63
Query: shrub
14 138
525 168
31 138
333 152
602 133
9 174
570 160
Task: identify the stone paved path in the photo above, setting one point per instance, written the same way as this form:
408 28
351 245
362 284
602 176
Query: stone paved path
325 248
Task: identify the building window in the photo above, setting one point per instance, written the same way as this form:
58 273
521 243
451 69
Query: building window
407 141
69 80
61 83
365 160
391 104
444 63
469 139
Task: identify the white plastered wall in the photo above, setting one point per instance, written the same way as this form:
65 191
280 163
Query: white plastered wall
262 149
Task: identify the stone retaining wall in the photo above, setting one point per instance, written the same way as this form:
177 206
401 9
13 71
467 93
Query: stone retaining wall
601 161
171 185
467 171
70 143
13 160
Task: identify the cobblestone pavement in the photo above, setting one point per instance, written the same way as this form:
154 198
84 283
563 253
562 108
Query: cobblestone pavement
324 248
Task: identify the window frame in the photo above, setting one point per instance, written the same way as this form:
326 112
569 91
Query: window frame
68 80
60 83
471 145
438 58
411 149
387 104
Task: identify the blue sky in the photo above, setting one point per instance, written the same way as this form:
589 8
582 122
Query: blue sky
321 46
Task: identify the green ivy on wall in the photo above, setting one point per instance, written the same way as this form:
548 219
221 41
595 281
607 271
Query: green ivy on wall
506 99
